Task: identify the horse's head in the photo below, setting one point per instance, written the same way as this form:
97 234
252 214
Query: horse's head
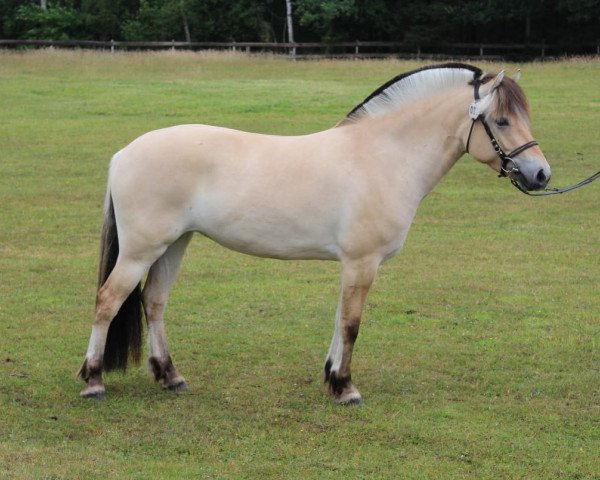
499 134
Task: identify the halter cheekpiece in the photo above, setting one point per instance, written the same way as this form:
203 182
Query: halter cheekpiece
477 115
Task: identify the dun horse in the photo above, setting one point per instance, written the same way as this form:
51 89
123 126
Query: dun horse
348 193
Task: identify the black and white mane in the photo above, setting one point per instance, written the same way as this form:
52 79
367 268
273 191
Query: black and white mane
411 86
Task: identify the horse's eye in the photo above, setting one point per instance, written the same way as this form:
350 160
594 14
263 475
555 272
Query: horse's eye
502 122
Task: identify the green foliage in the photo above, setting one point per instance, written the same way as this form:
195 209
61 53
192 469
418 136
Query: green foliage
207 20
56 23
439 21
102 19
321 16
153 21
580 11
478 355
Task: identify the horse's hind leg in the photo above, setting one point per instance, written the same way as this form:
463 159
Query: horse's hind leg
121 282
156 291
357 277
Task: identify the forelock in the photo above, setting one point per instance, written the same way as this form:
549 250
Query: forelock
509 98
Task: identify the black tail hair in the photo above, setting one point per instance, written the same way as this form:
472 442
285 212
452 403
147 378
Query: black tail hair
124 340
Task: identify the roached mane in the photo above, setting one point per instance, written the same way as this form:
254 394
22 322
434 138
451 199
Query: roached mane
427 81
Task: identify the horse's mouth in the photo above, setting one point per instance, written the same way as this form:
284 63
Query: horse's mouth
522 183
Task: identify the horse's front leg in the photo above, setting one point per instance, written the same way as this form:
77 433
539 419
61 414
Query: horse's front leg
357 277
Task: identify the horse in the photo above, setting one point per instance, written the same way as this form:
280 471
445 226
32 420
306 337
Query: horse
348 194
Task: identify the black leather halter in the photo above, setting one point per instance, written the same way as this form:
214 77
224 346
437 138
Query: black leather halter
504 157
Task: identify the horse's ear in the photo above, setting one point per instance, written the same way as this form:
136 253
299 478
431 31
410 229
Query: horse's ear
491 86
517 76
497 81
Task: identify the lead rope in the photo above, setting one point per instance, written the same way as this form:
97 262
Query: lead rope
555 191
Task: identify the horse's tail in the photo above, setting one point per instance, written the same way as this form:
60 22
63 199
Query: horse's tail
124 340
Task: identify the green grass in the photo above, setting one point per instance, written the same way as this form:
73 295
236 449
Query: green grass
479 355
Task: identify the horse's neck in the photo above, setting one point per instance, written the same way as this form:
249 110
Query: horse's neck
427 138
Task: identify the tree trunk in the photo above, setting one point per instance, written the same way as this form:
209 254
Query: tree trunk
290 26
186 26
44 4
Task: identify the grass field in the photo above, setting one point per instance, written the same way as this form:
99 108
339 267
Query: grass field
479 355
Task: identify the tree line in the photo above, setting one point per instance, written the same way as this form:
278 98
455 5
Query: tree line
564 22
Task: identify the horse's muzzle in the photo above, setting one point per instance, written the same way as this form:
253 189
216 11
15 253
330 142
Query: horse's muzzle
528 175
536 181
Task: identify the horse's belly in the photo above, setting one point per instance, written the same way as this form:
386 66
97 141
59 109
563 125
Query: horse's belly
267 232
273 246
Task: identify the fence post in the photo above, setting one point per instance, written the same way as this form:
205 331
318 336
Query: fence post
173 45
356 43
543 48
480 50
418 53
112 46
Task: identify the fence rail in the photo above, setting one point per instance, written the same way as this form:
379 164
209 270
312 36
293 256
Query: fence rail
356 49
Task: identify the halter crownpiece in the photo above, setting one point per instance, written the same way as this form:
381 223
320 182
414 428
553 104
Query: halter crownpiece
476 113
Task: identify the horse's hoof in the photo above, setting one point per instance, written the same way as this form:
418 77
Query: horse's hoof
349 395
350 398
350 401
93 393
176 387
342 389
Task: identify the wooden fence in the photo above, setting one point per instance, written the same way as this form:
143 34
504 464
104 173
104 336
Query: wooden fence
355 49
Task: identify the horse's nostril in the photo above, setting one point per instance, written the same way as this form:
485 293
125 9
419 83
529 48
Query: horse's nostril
541 176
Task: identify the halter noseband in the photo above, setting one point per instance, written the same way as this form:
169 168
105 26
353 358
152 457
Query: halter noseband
504 157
